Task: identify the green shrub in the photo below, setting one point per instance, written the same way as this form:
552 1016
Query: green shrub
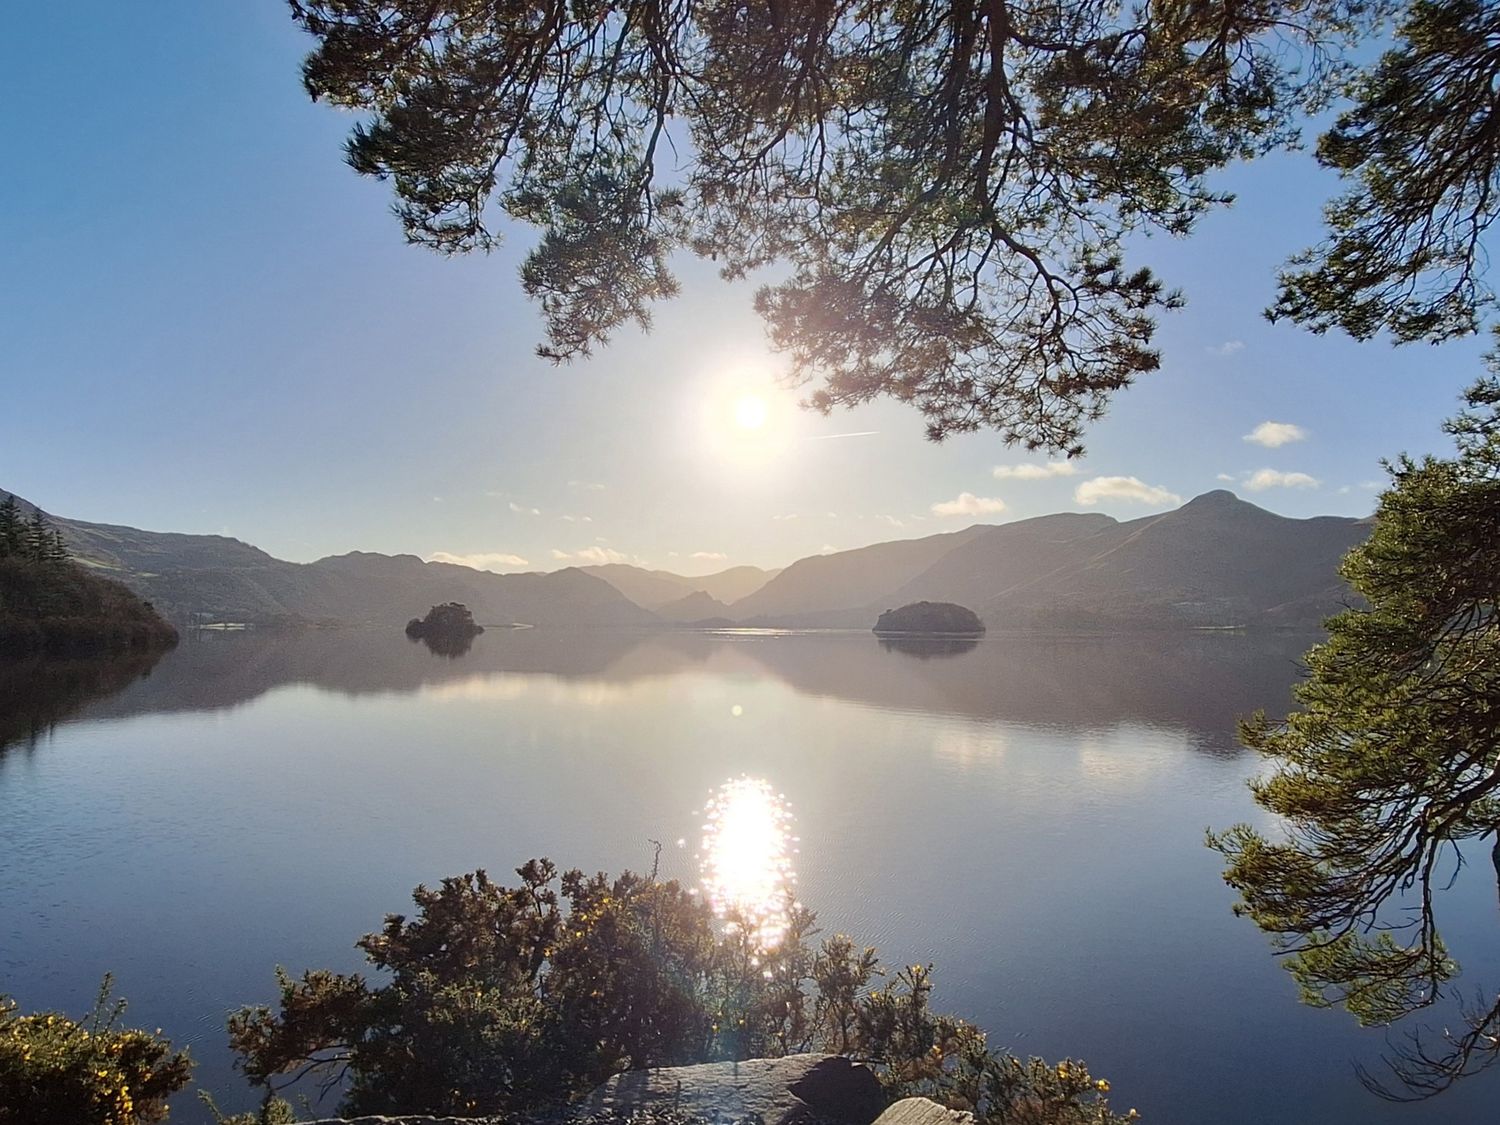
511 1000
90 1072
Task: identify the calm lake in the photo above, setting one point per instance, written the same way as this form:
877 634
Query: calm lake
1027 814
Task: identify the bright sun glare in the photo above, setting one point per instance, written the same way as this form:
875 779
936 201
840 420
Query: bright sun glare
746 859
750 412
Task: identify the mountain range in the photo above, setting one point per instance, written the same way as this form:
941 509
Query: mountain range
1217 561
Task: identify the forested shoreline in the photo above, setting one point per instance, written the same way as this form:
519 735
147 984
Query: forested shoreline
51 604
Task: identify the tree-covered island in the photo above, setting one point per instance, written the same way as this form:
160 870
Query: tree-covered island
931 619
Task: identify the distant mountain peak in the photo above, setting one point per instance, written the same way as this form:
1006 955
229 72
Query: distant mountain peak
1218 498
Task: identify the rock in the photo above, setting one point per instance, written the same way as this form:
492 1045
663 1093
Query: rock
923 1111
785 1091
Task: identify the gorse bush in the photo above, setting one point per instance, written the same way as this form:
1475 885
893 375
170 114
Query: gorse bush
516 999
89 1072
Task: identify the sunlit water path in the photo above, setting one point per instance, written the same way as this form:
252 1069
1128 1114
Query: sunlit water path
1027 815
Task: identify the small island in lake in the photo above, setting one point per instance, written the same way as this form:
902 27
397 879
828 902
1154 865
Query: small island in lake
444 621
943 619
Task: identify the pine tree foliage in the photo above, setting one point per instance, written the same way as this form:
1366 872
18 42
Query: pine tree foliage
32 537
1421 148
946 188
1393 761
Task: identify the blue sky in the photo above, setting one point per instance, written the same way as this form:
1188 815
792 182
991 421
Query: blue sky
211 324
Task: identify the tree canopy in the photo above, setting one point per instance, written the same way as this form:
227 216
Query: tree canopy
946 188
1393 762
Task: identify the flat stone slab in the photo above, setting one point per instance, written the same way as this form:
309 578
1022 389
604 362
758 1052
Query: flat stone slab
923 1111
784 1091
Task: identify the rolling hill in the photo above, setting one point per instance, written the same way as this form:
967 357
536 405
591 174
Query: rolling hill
214 577
652 589
1216 561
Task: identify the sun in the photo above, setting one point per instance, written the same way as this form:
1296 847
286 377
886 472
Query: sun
750 412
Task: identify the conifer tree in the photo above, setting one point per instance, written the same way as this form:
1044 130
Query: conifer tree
12 532
36 536
1393 762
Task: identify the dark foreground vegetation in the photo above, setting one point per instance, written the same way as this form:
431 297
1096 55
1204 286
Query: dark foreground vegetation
515 1000
48 603
84 1072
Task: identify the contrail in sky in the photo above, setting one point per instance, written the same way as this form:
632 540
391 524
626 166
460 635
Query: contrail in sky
830 437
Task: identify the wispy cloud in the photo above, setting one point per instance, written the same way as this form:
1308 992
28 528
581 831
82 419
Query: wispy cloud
1132 490
591 556
856 433
1225 477
1036 472
827 549
576 519
787 516
524 509
967 504
709 556
892 520
498 561
585 486
1273 435
1262 479
1228 347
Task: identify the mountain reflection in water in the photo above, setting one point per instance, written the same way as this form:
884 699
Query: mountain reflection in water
1185 680
1027 814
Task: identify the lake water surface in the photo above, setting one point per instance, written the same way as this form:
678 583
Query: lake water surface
1027 814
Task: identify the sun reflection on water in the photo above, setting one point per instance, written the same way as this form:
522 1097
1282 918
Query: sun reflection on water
747 859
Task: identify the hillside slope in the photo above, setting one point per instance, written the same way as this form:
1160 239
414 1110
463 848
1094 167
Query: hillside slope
1217 560
652 589
218 578
825 585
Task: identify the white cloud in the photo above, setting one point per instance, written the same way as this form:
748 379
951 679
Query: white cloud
524 510
585 486
1131 489
892 520
591 556
709 556
1224 477
827 549
1262 479
787 516
576 519
1273 435
497 561
1036 472
1228 347
967 504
